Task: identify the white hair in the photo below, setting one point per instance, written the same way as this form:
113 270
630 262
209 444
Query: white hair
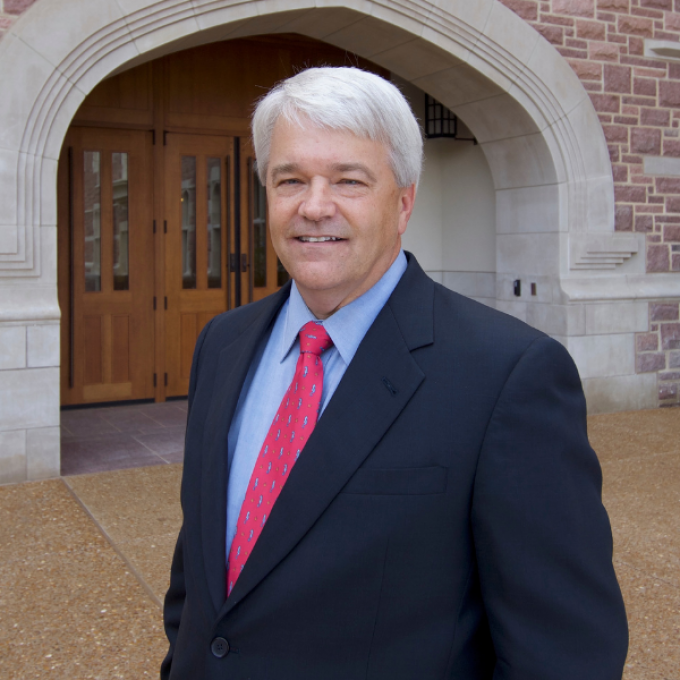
344 99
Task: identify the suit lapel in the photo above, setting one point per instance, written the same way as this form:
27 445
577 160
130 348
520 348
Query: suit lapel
362 410
232 369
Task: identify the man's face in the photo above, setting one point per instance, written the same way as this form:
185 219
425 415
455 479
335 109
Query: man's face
336 214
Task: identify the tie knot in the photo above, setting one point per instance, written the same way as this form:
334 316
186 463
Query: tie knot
314 339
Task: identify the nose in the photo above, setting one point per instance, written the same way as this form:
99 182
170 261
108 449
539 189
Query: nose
317 203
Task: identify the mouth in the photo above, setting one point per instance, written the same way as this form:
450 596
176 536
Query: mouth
318 239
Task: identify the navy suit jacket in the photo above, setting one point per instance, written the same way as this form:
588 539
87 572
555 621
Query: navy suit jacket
444 520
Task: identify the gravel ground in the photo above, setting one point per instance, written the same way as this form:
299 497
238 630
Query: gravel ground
84 560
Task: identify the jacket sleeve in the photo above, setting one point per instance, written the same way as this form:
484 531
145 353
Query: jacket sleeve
542 536
174 599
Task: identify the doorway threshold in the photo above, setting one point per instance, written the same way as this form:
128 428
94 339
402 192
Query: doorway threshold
115 437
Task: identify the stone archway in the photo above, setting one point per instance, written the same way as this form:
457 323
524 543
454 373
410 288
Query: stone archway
533 118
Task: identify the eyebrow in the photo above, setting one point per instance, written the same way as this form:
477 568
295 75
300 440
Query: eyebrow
354 167
287 168
284 169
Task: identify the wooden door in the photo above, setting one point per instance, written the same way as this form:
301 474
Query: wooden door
200 211
106 277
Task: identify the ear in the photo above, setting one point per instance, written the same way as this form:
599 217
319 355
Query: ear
407 198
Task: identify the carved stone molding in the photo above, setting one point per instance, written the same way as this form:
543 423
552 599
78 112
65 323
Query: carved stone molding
601 252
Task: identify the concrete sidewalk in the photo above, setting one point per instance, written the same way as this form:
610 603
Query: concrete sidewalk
84 560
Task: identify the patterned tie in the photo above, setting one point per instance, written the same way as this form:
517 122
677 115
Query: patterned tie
288 434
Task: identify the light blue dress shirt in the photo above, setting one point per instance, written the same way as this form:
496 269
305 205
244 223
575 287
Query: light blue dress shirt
273 368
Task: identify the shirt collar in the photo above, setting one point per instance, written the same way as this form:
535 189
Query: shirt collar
348 326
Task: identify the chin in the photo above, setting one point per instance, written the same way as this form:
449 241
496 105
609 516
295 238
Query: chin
314 276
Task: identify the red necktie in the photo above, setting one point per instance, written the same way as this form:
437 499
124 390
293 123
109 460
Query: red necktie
288 434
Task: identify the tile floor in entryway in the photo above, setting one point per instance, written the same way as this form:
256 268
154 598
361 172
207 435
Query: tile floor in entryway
102 439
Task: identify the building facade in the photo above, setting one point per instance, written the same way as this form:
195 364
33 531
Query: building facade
132 212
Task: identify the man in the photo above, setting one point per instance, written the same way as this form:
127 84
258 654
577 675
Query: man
406 491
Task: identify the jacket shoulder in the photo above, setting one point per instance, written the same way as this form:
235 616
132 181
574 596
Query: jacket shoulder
480 324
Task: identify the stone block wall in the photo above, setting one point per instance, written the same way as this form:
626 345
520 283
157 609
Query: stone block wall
29 401
658 350
637 98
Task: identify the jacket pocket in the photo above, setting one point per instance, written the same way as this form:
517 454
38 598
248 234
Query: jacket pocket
398 481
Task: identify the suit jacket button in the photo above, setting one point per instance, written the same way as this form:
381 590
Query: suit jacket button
219 647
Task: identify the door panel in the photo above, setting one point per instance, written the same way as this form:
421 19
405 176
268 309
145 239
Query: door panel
198 170
106 293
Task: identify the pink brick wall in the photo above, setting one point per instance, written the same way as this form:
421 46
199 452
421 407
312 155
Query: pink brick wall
10 10
658 351
637 98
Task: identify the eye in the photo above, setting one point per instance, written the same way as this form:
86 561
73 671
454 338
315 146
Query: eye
351 182
287 182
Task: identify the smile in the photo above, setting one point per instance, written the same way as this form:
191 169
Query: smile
318 239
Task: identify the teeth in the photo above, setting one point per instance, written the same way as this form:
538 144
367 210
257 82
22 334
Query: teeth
318 239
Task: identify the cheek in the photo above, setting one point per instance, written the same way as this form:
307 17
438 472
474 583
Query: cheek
279 208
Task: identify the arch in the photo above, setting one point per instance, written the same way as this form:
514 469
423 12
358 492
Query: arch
537 127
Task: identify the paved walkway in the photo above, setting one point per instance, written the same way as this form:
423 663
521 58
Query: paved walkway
84 559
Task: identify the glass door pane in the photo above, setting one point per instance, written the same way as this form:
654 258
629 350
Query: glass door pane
121 273
214 215
92 194
188 200
259 228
